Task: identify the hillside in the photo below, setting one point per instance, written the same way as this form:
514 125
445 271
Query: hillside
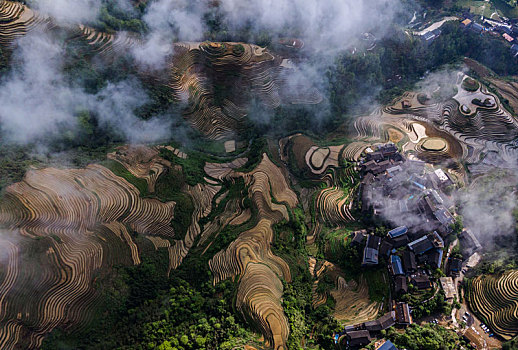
284 175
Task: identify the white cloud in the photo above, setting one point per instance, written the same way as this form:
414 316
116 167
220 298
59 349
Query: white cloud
37 103
69 10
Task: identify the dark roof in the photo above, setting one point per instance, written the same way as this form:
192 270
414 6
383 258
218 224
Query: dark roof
357 338
436 197
375 156
388 149
373 241
385 163
455 264
370 256
444 216
367 179
384 322
421 282
433 180
388 346
400 284
398 231
397 267
429 204
394 169
423 259
387 320
409 261
436 239
421 245
385 248
469 241
435 258
400 241
350 328
432 34
403 313
371 166
359 237
476 27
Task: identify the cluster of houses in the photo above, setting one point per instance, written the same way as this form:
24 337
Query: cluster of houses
394 185
361 334
507 29
409 252
393 188
405 266
406 259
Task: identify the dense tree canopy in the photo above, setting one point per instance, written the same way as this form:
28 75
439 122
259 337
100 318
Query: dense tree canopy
427 337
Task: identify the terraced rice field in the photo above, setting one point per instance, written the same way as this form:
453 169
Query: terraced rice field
262 75
250 256
319 159
190 78
508 90
352 302
16 20
434 144
194 67
202 196
141 161
297 147
353 151
494 298
334 205
467 137
82 219
61 227
433 150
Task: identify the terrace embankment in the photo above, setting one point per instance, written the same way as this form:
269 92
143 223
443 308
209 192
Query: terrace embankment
493 299
63 226
250 256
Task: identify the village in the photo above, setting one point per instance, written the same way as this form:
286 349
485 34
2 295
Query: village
503 28
422 256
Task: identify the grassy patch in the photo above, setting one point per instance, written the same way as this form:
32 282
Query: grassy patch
481 8
210 146
335 245
119 170
255 155
470 84
192 166
169 188
235 190
308 326
378 283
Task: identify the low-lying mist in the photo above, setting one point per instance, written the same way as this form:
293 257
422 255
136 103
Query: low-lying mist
39 103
